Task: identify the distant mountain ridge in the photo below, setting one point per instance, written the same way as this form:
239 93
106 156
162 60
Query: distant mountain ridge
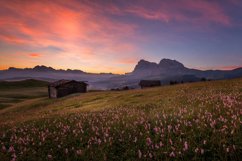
41 72
167 67
164 71
163 67
170 70
164 63
42 68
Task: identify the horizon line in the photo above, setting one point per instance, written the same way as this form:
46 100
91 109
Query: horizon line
222 68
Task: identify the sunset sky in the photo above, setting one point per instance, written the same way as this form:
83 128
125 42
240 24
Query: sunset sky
112 35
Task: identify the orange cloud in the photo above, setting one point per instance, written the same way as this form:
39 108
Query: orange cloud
34 55
81 30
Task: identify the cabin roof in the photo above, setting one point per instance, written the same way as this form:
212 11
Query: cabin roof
63 82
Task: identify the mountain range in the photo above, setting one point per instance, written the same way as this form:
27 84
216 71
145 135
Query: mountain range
166 70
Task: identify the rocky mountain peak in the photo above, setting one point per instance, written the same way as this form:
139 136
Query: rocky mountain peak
43 68
145 65
168 63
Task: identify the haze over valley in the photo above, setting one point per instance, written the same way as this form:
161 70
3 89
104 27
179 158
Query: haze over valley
166 70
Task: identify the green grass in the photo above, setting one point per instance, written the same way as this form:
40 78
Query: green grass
148 124
19 91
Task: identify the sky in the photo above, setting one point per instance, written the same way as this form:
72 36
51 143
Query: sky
113 35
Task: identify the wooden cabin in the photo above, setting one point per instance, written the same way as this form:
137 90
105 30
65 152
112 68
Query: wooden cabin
63 88
149 83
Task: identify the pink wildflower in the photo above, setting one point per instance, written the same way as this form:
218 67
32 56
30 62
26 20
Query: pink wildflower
202 151
99 141
227 150
196 150
66 151
11 149
170 141
185 146
150 155
148 141
204 142
172 154
135 139
156 130
79 152
49 156
161 144
3 148
139 154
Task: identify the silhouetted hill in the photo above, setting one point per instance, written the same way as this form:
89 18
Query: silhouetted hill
42 68
23 84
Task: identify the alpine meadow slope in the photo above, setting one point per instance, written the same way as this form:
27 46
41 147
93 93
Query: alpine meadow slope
199 121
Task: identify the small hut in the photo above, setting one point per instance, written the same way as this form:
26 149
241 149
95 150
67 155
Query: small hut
62 88
149 83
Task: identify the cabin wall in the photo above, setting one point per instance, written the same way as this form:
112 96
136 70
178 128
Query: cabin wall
52 92
71 88
81 88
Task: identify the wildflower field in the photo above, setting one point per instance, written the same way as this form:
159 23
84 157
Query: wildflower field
194 121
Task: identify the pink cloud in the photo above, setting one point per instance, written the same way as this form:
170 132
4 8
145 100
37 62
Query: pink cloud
128 61
205 12
11 39
229 67
149 14
45 22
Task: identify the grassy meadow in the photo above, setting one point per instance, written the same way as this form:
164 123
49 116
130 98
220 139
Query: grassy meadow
12 93
193 121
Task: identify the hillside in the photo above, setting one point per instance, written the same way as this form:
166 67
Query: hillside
199 121
19 91
29 83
